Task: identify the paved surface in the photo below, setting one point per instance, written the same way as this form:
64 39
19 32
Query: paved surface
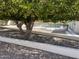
46 47
41 29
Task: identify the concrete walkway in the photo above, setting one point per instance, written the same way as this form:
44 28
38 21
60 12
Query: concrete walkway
46 47
40 29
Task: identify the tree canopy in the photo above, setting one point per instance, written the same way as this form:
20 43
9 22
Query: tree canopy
46 10
27 11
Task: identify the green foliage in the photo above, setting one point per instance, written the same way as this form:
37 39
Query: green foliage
76 10
45 10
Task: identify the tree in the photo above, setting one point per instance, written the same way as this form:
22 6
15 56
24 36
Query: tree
28 11
76 10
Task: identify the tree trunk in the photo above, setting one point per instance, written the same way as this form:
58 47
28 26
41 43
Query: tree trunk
29 27
19 25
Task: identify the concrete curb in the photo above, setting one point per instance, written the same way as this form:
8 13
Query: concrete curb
70 52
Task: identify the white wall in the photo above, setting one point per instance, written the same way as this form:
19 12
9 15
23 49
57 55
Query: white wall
10 22
74 25
76 29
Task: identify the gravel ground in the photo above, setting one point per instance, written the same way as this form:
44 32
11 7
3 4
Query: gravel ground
40 38
13 51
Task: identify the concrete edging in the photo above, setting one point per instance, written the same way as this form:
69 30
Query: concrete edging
74 53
